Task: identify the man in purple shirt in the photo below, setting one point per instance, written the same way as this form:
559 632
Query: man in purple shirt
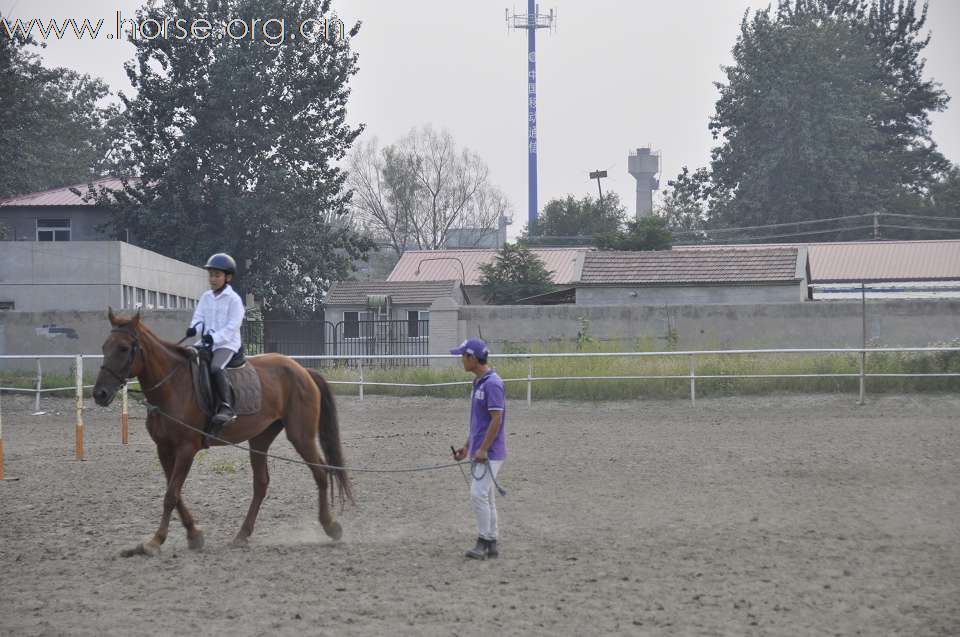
485 443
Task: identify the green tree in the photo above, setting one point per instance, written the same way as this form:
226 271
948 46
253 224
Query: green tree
824 114
52 131
646 233
586 217
516 273
235 145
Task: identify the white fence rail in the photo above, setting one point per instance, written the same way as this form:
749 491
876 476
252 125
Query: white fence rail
77 387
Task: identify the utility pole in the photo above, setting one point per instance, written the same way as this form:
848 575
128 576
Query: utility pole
531 21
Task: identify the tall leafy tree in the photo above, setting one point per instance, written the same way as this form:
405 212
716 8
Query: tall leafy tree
825 113
646 233
585 217
235 143
516 273
52 129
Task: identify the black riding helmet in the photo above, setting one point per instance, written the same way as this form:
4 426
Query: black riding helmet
223 262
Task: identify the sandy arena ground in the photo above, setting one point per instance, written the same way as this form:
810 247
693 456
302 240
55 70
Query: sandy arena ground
745 516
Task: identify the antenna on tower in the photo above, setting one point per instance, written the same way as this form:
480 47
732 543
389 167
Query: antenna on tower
531 21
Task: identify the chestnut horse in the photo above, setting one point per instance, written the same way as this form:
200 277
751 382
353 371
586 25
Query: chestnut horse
294 399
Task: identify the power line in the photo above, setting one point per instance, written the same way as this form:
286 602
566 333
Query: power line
793 234
778 225
882 226
896 214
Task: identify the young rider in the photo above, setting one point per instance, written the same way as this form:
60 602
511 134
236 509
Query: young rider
220 312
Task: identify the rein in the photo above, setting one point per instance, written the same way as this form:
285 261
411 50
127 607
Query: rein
155 409
133 353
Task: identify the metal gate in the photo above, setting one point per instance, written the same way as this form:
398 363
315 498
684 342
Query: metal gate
357 338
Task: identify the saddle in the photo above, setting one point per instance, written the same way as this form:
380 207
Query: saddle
244 383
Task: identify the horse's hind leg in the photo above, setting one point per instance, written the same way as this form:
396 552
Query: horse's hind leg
182 458
306 446
261 479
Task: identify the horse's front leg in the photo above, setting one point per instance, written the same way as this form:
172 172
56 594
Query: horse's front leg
176 463
194 534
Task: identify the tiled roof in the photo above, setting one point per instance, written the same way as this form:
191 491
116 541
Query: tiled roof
693 266
565 264
866 261
402 292
60 196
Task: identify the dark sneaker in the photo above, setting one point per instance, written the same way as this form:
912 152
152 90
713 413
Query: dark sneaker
478 552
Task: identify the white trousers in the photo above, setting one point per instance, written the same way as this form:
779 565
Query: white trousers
483 498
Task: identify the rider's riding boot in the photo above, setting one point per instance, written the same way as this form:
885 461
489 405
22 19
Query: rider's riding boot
478 552
225 413
492 551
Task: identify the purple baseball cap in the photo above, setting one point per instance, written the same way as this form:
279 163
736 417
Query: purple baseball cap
473 346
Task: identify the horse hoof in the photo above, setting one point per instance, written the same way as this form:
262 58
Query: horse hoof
239 542
147 548
195 543
334 530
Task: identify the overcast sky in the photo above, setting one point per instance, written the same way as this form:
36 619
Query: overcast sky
615 75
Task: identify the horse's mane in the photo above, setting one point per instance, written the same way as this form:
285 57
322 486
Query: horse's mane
142 330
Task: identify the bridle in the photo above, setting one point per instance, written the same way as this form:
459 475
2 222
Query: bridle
128 366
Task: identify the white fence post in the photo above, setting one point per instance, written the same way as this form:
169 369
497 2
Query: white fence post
693 383
79 380
361 380
36 400
124 417
529 380
1 436
863 384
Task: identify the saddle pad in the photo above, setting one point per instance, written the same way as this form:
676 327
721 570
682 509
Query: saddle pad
244 381
246 389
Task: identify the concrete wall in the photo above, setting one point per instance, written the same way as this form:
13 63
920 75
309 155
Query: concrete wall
807 324
689 295
21 222
89 275
71 333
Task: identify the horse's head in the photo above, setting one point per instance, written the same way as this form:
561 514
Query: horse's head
122 357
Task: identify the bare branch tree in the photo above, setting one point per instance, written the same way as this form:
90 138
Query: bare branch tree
414 193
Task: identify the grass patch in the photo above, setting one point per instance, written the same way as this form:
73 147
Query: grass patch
839 373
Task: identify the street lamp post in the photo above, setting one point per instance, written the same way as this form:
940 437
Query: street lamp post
597 174
463 271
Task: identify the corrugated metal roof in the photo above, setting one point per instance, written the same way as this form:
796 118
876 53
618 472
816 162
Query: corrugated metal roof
885 261
59 196
565 263
856 261
693 266
401 292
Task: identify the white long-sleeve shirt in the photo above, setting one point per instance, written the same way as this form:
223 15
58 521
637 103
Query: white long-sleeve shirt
221 315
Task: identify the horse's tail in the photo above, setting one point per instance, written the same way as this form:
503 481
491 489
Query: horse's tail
329 435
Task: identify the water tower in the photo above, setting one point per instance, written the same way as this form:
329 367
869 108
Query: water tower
644 165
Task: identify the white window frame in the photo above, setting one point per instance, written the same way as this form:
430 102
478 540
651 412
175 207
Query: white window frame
362 316
422 315
64 226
